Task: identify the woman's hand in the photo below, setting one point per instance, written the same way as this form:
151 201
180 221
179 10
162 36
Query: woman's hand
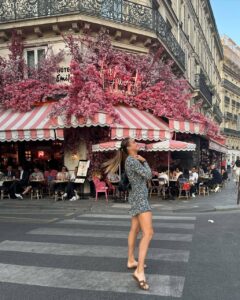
140 158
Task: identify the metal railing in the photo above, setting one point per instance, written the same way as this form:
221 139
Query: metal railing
218 113
229 131
121 11
201 85
231 86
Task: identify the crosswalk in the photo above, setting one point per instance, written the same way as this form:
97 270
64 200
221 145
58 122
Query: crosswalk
92 238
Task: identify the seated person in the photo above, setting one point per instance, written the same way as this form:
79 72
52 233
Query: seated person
224 174
110 179
201 171
63 175
18 186
50 174
9 172
70 190
177 173
216 178
163 175
36 177
193 178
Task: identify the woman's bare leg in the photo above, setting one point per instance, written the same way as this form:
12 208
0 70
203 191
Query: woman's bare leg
145 221
132 237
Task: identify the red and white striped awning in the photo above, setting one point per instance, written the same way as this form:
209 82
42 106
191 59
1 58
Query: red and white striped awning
187 127
112 146
171 145
37 125
139 125
99 119
26 126
213 145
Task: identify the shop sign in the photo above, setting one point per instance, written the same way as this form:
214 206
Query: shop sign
116 82
63 74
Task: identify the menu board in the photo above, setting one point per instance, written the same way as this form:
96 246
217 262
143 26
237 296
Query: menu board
83 167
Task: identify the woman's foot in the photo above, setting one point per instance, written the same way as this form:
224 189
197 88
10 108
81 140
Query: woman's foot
133 264
141 280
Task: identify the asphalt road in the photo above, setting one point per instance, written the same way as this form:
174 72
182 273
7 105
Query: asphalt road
69 254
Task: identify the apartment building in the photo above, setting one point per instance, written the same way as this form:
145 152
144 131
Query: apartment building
230 94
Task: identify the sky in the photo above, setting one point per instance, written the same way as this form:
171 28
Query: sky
227 16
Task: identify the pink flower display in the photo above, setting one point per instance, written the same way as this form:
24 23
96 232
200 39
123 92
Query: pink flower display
101 76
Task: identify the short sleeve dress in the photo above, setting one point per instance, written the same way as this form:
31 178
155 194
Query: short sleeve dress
138 174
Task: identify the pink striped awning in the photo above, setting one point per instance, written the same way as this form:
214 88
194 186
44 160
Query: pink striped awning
99 119
214 145
139 125
187 127
171 145
112 146
26 126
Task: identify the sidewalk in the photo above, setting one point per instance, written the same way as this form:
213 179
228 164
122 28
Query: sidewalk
222 201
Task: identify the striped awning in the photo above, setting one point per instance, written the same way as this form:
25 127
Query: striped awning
26 126
112 146
214 145
187 127
171 145
99 119
37 125
139 125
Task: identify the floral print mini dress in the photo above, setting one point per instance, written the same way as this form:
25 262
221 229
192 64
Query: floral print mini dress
138 174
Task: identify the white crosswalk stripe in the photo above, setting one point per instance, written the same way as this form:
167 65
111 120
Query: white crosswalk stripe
108 234
90 250
161 285
107 216
80 231
125 224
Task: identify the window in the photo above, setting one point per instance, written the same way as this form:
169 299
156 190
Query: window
34 55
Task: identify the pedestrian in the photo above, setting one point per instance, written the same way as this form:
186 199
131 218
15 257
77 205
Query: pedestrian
236 169
138 173
229 166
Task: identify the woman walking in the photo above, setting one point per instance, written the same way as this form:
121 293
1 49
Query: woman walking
138 173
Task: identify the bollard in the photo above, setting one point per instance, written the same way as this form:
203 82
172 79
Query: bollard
238 198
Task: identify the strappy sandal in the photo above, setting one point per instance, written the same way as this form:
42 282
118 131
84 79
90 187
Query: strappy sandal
142 284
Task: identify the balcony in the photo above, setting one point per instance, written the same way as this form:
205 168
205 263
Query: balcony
228 116
231 86
232 132
203 89
120 11
217 113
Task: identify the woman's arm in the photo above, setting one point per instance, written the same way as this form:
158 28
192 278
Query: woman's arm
141 169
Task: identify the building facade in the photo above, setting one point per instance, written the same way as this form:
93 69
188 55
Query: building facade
231 96
192 23
185 28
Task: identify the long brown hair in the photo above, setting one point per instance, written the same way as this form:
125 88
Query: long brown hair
112 165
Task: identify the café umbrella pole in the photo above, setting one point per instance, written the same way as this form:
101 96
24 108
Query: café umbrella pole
168 166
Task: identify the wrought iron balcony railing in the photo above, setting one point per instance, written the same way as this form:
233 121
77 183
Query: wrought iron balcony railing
218 113
231 86
203 88
122 11
233 132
